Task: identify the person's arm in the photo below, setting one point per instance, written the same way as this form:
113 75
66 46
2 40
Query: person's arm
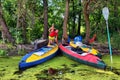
51 28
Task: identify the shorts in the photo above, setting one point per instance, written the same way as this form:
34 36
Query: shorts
51 38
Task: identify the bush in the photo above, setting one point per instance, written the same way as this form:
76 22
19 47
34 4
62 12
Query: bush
101 38
115 41
3 52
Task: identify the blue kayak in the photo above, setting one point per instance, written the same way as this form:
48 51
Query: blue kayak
38 56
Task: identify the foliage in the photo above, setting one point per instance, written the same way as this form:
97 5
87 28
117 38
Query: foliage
9 10
21 52
34 19
116 40
35 31
3 52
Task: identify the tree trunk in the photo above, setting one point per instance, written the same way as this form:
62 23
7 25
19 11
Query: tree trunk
45 32
65 36
86 17
5 31
18 13
21 18
79 20
24 26
74 17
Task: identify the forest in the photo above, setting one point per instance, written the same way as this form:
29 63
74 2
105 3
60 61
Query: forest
24 21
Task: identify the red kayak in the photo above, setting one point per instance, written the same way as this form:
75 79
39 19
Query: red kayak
82 57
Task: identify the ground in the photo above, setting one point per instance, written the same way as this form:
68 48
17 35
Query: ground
25 48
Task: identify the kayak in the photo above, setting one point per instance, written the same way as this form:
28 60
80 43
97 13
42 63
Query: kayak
38 56
82 57
87 49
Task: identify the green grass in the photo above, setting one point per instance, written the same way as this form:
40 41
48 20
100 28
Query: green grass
71 70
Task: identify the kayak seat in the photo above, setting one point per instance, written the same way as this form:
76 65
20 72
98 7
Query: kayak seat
77 50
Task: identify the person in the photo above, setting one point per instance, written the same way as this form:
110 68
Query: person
53 35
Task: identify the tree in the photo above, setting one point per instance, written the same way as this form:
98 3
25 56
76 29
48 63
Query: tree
73 18
86 17
79 19
65 36
4 29
45 32
21 18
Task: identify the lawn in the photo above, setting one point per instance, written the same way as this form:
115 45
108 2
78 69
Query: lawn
65 69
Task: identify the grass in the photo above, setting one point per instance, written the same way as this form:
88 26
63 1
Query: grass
67 70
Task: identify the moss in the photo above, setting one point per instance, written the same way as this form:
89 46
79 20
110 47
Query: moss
66 69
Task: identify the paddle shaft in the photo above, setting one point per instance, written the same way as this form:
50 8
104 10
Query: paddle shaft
110 49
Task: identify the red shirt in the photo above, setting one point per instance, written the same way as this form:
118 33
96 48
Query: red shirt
52 34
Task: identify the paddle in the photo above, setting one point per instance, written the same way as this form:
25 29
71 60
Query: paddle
105 12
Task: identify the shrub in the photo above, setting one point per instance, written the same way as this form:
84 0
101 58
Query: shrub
3 52
115 41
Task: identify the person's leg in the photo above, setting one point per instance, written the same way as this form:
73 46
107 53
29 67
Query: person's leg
56 40
51 40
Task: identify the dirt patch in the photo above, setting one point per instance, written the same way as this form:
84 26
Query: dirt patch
104 49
